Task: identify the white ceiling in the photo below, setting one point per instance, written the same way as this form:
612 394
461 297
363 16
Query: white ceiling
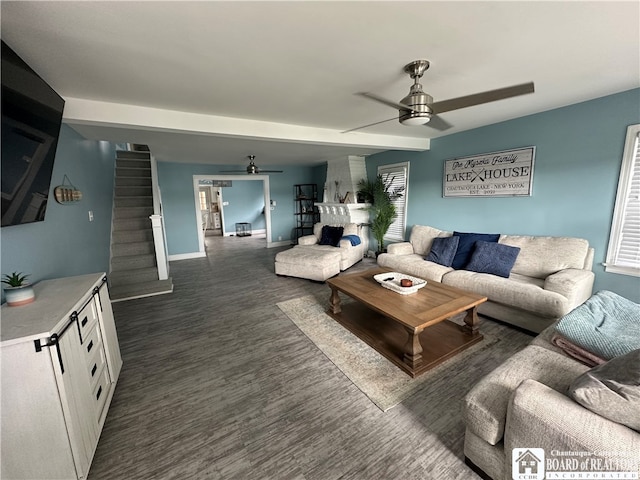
212 82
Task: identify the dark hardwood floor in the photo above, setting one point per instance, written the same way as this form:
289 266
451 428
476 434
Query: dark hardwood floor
218 383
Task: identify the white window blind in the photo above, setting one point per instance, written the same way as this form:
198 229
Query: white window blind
398 176
623 255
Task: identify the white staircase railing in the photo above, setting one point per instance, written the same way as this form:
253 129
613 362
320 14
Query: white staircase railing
157 225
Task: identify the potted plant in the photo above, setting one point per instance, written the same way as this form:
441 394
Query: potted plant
19 291
382 210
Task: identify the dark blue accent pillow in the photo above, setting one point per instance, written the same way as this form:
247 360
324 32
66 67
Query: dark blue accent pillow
331 235
465 246
495 258
443 249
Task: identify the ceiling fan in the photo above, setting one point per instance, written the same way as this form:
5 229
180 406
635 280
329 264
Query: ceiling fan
418 108
252 168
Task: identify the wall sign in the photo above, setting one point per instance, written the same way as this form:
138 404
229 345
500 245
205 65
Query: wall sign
500 174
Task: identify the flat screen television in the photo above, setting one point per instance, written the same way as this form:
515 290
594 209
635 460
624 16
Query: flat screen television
31 121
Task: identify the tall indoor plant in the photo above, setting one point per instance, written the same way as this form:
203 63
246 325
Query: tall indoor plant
381 194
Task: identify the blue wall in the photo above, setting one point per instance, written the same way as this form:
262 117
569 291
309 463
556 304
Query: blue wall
176 185
66 243
246 203
578 156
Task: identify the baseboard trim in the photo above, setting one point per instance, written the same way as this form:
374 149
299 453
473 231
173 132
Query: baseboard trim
134 297
186 256
278 244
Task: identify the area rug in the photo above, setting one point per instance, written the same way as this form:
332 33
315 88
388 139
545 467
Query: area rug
379 379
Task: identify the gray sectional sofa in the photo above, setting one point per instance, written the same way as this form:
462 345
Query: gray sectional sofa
550 277
526 403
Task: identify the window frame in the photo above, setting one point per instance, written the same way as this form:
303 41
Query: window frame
630 163
401 202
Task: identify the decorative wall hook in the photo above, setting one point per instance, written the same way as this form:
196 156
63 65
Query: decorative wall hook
67 192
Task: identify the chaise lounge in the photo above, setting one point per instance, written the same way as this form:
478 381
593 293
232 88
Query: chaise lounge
330 250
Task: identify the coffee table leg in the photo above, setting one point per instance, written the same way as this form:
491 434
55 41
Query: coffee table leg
412 349
334 302
472 322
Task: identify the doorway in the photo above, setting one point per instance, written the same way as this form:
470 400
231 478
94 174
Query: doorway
238 178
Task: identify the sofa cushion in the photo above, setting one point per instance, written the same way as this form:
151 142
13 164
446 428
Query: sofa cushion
542 256
486 404
413 264
612 390
422 237
518 291
331 235
606 324
467 244
443 249
494 258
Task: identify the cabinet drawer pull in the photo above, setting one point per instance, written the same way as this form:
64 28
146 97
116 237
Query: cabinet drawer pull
84 321
90 346
99 392
93 370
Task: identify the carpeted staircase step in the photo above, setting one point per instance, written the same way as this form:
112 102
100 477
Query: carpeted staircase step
132 248
133 201
133 172
133 191
131 224
128 262
132 212
131 236
128 163
136 275
146 289
133 181
133 155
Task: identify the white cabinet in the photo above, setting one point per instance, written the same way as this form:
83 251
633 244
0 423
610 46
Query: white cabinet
60 361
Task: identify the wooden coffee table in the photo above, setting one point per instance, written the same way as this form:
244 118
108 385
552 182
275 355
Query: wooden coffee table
412 331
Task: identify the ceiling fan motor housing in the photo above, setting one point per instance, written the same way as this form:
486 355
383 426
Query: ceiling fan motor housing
418 102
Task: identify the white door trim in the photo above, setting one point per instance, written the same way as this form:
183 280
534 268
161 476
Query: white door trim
267 201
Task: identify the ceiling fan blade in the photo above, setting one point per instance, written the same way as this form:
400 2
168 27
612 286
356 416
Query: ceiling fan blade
389 103
438 123
370 125
480 98
270 171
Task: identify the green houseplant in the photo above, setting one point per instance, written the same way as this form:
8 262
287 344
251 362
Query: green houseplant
380 194
19 291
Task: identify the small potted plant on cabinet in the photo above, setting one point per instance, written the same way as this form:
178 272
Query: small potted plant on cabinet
19 291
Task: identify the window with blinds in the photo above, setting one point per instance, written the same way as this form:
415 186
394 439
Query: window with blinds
623 254
398 176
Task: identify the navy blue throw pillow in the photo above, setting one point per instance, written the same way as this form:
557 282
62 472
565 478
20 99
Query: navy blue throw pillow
443 249
466 244
331 235
495 258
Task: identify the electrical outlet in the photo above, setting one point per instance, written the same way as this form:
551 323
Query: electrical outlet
279 238
91 215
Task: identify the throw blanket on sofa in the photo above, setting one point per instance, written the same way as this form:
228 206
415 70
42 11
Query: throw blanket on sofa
354 239
575 351
606 325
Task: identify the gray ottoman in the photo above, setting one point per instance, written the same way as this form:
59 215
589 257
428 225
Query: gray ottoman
304 262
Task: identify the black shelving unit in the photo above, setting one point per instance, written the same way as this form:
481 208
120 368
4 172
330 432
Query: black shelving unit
306 213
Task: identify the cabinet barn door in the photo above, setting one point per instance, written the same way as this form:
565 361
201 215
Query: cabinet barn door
76 397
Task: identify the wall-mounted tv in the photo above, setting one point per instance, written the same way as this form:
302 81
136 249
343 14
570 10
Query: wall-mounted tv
31 120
